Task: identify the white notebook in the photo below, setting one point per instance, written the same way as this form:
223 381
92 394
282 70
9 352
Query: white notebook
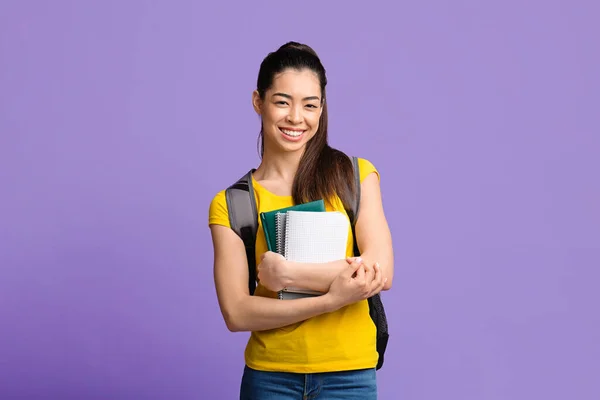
311 237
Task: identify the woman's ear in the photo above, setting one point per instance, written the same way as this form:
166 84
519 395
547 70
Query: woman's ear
256 102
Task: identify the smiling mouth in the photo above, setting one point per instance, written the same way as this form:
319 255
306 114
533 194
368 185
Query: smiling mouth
291 133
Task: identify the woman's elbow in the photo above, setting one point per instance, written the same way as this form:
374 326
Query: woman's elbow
233 320
234 325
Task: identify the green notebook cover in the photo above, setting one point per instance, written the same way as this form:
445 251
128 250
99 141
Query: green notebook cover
269 224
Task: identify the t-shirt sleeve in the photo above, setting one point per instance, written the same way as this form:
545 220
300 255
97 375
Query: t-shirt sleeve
217 213
366 168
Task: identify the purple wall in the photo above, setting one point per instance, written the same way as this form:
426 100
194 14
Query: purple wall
119 121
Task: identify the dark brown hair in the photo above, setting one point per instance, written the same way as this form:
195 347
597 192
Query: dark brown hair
323 171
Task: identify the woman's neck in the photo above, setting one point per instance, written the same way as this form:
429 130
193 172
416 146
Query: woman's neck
278 166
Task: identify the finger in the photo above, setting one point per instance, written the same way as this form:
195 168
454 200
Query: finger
360 273
369 274
377 275
378 288
380 279
352 268
357 261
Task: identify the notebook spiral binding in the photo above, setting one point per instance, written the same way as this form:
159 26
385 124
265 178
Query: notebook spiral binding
280 240
280 233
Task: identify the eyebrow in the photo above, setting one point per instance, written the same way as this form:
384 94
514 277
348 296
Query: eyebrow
287 96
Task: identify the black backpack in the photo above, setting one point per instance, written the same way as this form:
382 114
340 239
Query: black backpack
243 218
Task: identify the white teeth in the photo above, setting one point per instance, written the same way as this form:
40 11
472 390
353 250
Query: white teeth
292 133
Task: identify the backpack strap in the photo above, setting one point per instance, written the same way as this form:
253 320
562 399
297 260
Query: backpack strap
376 308
356 203
243 219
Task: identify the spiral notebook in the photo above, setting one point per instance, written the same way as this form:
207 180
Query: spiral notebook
269 222
310 237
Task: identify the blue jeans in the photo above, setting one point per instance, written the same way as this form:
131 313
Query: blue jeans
346 385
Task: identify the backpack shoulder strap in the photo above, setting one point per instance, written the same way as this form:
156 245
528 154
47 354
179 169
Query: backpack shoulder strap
243 219
376 309
356 203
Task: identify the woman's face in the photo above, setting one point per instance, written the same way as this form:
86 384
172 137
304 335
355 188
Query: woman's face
291 110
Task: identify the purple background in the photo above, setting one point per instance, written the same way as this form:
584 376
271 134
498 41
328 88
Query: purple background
120 120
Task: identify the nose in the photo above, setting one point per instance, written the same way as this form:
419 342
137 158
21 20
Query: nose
295 115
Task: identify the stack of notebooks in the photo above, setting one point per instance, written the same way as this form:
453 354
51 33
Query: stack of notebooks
306 233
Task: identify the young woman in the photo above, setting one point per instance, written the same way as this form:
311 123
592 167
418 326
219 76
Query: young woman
316 347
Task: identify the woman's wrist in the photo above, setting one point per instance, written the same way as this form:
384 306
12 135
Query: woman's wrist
288 277
331 303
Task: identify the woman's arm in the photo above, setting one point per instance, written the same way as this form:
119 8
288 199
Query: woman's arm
372 230
373 237
243 312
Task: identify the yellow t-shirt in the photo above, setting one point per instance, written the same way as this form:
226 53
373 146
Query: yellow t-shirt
337 341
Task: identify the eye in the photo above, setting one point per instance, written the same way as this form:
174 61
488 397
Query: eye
281 102
311 106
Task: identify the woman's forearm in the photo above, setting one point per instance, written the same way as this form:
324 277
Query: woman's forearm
256 313
318 276
314 276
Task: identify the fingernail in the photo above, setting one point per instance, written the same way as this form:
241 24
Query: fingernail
358 260
377 265
385 280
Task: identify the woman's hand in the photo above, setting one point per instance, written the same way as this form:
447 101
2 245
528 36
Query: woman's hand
272 271
358 282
